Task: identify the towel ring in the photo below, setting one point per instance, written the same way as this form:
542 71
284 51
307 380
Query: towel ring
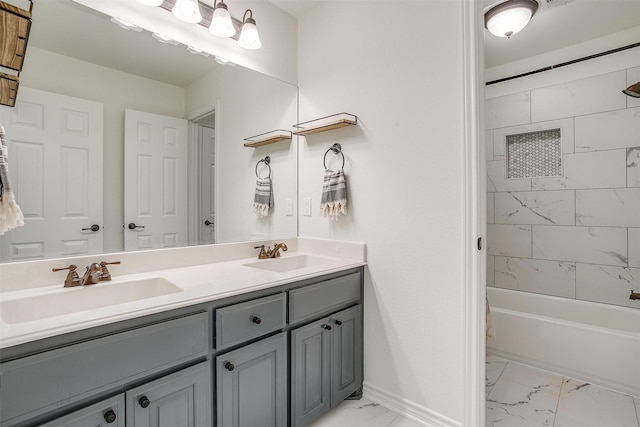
266 161
337 149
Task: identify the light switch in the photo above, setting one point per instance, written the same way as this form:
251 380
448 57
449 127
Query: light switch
306 206
289 207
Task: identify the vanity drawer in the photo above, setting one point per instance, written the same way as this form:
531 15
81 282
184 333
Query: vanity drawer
37 384
241 322
316 300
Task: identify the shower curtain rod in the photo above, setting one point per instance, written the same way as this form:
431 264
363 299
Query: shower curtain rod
562 64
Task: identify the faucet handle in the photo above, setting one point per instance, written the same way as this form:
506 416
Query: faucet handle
72 277
263 253
105 275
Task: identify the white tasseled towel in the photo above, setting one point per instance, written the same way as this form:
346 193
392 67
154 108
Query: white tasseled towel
334 194
10 213
263 199
488 328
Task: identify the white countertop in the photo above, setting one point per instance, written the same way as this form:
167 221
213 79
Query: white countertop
197 284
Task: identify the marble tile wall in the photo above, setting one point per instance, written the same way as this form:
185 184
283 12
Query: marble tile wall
578 235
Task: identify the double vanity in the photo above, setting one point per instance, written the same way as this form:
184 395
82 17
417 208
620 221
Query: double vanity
234 342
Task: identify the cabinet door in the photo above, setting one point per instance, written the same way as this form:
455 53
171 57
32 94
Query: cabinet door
252 384
346 353
106 413
181 399
310 371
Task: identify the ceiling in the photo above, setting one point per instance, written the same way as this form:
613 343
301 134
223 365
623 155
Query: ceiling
70 29
560 26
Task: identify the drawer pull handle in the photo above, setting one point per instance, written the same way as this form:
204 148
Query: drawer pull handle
256 320
110 416
144 401
338 322
325 326
229 366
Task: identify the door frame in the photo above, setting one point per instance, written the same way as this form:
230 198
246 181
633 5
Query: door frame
194 169
475 215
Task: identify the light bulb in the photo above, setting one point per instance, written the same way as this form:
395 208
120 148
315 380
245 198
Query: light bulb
187 11
221 24
249 37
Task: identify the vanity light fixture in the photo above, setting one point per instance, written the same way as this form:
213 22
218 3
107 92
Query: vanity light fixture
197 51
126 25
633 90
187 11
221 24
509 17
151 2
249 37
164 39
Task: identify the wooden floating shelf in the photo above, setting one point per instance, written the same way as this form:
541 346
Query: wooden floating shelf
267 138
324 124
8 89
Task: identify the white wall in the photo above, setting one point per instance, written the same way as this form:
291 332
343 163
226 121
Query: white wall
397 65
51 72
248 103
576 235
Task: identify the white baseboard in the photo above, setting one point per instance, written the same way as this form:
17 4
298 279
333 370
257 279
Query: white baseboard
407 409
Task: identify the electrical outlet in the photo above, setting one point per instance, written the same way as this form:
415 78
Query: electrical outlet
306 206
289 207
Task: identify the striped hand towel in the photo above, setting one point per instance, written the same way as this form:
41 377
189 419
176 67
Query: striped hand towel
263 199
334 194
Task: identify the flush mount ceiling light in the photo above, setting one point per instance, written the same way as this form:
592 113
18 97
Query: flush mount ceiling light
221 24
151 2
249 37
510 17
633 90
187 11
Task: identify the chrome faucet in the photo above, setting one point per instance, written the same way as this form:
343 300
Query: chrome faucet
275 252
634 295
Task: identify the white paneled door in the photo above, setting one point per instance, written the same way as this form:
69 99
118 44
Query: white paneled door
55 164
207 185
155 171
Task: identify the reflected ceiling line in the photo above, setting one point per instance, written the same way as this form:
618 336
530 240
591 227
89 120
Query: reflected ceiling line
562 64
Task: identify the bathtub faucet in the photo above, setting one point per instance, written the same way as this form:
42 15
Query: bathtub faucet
634 295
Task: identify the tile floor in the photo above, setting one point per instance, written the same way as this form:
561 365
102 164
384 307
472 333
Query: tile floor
517 396
522 396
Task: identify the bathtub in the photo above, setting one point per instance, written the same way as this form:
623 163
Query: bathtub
597 343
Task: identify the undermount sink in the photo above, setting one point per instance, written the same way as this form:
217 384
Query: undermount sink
82 298
285 264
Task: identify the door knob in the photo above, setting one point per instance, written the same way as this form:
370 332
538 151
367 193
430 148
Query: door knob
144 401
207 222
94 227
110 416
133 226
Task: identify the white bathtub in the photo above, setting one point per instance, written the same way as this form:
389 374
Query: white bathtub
598 343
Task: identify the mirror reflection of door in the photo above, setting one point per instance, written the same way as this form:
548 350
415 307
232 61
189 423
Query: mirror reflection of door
55 165
155 169
206 144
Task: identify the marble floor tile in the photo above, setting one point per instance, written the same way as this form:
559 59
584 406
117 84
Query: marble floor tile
586 405
516 405
637 402
532 377
494 367
357 413
404 422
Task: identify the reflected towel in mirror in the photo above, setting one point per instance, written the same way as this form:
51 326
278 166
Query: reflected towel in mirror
10 213
263 199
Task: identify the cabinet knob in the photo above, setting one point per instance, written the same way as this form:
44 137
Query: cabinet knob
229 366
325 326
110 416
144 401
256 320
337 322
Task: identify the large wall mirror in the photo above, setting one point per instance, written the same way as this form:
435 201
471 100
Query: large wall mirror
113 128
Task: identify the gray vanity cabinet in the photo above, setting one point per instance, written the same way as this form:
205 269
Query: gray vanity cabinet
326 364
176 400
106 413
252 384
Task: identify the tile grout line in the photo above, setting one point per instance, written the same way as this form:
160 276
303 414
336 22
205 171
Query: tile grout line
555 413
